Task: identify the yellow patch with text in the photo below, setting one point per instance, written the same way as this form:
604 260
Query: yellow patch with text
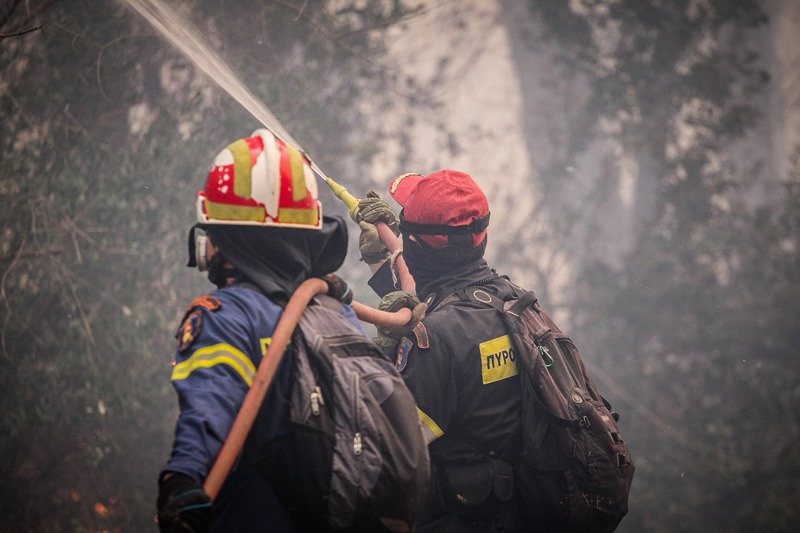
498 359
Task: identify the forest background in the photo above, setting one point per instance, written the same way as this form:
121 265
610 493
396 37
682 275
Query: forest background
641 157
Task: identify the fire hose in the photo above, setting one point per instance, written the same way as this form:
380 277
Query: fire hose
388 237
269 365
283 333
189 43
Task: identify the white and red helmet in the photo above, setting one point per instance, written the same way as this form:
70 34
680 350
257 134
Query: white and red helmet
260 181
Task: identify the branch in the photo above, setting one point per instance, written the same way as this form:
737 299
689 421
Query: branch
27 18
337 40
4 298
32 254
99 62
18 33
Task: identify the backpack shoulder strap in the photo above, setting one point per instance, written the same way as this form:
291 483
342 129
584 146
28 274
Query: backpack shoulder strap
528 299
475 294
512 312
522 298
514 306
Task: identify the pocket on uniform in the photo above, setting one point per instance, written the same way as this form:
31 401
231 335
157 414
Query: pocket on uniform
471 487
502 480
476 488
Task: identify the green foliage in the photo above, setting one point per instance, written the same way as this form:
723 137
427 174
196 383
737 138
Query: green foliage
695 327
108 133
702 336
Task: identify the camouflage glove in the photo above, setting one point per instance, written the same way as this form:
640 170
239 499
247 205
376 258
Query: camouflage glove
338 289
388 337
374 209
183 505
372 248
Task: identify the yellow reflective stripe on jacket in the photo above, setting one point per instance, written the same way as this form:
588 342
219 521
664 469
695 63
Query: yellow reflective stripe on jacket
218 354
430 429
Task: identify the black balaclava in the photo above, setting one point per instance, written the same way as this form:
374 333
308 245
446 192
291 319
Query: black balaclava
279 259
218 272
427 265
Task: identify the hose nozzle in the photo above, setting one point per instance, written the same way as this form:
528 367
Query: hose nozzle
342 194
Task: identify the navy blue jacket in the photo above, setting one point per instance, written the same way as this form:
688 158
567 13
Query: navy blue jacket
221 342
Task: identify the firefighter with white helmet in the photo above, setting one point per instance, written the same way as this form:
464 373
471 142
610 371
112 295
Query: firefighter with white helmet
260 233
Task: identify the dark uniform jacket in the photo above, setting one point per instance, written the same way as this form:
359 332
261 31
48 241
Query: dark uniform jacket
462 371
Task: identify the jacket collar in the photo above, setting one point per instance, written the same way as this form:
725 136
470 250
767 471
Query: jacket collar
474 273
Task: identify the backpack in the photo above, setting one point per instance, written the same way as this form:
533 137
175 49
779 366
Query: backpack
575 471
351 456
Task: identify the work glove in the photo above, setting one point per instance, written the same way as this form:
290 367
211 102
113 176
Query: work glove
183 505
374 209
338 289
389 337
372 248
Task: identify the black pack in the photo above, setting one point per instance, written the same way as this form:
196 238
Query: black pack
575 471
351 456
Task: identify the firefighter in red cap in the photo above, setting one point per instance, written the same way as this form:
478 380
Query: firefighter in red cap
260 234
467 392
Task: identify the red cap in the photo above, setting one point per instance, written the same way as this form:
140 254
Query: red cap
446 197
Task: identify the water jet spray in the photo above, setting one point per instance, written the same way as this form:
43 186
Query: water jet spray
185 37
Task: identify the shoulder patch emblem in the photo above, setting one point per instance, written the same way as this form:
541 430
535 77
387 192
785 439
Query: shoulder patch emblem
422 336
190 328
192 321
402 353
207 302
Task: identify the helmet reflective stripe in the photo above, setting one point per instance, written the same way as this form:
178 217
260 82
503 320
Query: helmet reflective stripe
240 150
260 180
234 187
301 181
295 169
